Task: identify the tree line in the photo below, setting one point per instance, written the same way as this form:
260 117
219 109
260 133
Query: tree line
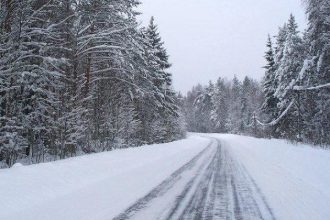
79 77
226 106
293 99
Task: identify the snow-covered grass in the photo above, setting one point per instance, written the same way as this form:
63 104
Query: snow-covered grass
295 179
98 186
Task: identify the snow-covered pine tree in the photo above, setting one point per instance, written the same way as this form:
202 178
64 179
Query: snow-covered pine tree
149 103
246 105
287 74
280 44
190 108
203 109
219 114
69 132
317 70
246 112
105 41
12 139
252 92
278 56
269 106
33 72
165 115
235 112
157 66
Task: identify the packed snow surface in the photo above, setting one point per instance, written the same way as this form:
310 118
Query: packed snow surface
295 179
227 174
97 186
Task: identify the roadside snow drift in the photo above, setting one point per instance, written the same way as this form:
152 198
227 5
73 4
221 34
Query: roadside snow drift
97 186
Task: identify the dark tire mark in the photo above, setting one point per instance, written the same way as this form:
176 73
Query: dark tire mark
261 196
198 203
237 208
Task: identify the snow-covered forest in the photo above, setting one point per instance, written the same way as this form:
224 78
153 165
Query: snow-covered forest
79 77
293 99
92 128
224 106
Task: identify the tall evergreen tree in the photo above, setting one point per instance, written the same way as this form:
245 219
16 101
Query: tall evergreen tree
235 113
269 106
34 71
167 115
219 114
287 75
318 70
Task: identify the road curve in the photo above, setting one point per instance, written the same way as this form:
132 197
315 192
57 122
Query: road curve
213 185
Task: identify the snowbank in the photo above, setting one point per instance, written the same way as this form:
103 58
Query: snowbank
98 186
295 179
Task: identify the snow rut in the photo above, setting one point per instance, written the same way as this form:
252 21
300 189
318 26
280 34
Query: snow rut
211 186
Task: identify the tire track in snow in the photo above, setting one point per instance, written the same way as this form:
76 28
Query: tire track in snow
165 186
211 186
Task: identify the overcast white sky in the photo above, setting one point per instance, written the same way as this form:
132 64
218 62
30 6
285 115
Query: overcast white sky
211 38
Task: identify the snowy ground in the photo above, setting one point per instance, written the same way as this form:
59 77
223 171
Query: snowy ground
97 186
215 177
295 179
210 186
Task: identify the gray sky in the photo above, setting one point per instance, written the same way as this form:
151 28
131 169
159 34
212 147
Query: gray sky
211 38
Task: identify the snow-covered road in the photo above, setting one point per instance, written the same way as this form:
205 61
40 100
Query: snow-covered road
211 177
294 178
210 186
91 187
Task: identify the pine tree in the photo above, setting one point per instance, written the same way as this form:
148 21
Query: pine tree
220 112
318 71
69 132
190 108
167 113
204 107
247 109
287 75
34 73
269 107
280 44
235 113
106 35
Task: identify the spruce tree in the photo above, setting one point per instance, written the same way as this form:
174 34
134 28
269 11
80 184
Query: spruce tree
235 113
318 72
287 75
269 106
167 113
220 112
